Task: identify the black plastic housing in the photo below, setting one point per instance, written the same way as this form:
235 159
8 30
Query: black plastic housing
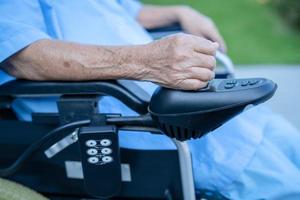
191 114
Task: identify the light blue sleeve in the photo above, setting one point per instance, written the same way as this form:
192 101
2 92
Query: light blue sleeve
133 7
21 24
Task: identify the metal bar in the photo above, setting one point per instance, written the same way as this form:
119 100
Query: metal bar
62 144
186 170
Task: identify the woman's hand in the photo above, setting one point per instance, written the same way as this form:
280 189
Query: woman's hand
180 61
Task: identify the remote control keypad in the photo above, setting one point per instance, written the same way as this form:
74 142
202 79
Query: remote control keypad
98 151
100 158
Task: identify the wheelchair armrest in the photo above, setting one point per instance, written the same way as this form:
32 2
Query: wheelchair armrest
170 28
160 32
127 92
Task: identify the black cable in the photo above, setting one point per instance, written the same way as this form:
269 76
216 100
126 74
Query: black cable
35 146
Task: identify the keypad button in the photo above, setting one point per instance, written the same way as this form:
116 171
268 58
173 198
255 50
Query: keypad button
253 82
229 86
93 160
244 83
91 143
105 142
92 152
106 151
233 81
107 159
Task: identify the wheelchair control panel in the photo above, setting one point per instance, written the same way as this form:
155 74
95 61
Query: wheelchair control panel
241 84
191 114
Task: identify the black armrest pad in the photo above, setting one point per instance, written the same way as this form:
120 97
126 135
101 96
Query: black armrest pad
170 28
126 91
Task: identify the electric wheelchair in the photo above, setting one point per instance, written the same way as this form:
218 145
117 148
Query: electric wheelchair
75 153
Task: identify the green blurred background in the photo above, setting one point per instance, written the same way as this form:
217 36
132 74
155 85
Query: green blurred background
256 31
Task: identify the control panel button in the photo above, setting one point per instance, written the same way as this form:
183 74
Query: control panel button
253 82
107 159
244 83
229 86
105 142
106 151
93 160
91 143
92 152
233 81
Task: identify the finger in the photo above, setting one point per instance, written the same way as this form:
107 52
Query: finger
203 60
191 84
204 46
201 74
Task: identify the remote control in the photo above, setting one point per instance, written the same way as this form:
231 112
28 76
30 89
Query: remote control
99 147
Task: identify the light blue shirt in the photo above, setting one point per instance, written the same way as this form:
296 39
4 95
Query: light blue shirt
218 159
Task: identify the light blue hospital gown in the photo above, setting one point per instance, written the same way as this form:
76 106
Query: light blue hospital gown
255 155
